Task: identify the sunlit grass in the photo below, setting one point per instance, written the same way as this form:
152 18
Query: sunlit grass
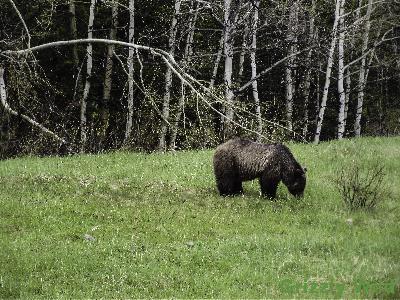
161 230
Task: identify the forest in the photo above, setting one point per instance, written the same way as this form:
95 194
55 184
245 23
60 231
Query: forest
93 76
125 85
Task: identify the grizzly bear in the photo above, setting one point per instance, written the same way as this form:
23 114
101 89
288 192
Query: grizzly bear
240 159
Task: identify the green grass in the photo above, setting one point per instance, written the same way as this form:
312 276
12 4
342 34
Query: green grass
161 230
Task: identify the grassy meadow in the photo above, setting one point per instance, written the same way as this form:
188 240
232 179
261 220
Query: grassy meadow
129 225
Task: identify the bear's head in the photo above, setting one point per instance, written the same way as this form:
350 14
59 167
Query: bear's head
297 183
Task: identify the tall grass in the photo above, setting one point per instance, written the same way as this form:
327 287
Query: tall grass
161 230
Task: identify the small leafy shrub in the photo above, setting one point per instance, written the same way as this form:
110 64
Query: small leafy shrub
361 187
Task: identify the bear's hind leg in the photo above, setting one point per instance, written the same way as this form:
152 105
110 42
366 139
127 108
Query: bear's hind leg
268 186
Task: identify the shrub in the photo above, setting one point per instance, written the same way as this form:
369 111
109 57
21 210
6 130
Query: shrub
361 187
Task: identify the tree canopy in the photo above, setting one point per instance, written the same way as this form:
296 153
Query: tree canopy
182 74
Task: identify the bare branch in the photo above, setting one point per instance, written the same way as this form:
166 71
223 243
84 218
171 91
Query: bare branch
3 98
249 83
376 45
23 22
168 59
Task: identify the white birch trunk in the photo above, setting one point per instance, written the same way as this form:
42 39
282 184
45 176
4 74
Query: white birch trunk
131 52
168 78
89 64
306 96
290 65
328 75
307 78
347 96
228 51
185 63
189 39
362 78
342 96
254 69
216 62
318 91
242 54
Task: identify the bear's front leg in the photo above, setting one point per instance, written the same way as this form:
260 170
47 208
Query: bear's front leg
269 186
229 186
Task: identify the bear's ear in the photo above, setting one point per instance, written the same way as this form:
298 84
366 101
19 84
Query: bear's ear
305 170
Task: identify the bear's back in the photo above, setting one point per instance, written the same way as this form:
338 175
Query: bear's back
250 158
254 158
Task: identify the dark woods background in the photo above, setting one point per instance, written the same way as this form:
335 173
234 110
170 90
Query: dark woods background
46 86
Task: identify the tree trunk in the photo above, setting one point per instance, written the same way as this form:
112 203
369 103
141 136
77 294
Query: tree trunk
290 64
318 91
348 72
216 62
86 90
104 107
228 68
254 69
75 55
181 107
131 52
342 96
307 78
362 73
242 54
168 79
347 97
189 39
74 34
185 63
328 75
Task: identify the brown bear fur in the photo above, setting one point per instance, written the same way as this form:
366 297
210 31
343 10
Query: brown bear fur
239 160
